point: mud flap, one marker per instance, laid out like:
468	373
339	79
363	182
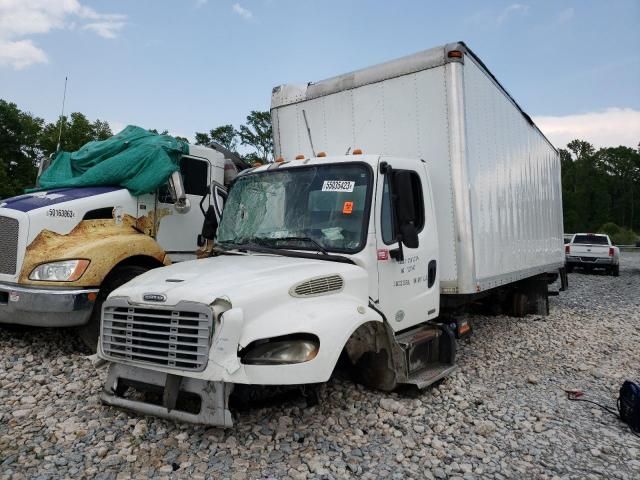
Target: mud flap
214	396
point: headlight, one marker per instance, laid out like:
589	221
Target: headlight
63	271
281	351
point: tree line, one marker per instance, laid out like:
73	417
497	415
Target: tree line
600	188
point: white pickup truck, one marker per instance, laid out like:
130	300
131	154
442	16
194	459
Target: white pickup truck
592	250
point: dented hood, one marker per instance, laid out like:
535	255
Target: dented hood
242	279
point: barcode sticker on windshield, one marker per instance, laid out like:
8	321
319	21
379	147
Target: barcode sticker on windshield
338	186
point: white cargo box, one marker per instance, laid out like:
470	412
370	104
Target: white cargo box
496	178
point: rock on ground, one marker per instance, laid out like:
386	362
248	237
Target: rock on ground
503	414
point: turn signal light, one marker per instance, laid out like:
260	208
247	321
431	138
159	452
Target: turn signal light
567	249
356	151
611	251
299	157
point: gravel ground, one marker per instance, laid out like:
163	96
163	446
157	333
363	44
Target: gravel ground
502	415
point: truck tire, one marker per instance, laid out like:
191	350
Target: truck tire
615	270
90	332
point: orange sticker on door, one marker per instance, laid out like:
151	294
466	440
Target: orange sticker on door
347	208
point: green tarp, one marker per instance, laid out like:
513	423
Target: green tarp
135	158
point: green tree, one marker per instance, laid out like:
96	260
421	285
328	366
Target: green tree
258	134
225	135
600	186
622	166
20	149
77	130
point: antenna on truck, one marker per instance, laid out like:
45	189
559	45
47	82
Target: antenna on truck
64	98
306	122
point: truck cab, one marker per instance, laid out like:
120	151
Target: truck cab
65	249
319	257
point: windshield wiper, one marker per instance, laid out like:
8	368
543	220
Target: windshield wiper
251	245
271	242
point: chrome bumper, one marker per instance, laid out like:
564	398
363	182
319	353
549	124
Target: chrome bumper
45	306
214	396
593	261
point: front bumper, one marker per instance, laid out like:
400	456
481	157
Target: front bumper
214	396
45	306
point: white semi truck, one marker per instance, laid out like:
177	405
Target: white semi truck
62	251
331	252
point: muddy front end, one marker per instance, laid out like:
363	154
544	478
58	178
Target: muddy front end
57	246
152	342
24	301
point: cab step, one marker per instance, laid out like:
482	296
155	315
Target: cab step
431	374
428	353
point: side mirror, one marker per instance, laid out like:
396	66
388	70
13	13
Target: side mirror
405	213
409	235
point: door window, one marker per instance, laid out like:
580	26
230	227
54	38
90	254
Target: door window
194	178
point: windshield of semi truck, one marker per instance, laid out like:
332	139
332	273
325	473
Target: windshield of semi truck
320	208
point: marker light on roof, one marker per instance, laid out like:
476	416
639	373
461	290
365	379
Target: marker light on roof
300	157
356	151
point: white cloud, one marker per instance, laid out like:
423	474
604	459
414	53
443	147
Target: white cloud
201	3
513	9
105	29
116	126
20	54
23	18
243	12
609	128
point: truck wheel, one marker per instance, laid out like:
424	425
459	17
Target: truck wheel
90	332
615	271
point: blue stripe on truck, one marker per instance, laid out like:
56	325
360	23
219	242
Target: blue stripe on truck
32	201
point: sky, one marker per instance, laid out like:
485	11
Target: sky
192	65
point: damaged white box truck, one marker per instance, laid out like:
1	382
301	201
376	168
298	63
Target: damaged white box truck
370	257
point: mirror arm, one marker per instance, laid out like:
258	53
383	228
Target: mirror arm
397	253
182	204
210	192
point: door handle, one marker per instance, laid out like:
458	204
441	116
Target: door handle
431	273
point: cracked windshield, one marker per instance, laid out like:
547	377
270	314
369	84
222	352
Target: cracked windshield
318	208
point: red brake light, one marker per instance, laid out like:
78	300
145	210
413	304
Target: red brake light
567	249
611	251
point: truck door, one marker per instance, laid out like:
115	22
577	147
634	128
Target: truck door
178	232
409	287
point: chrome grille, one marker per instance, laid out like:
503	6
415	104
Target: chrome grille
317	286
8	245
172	337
